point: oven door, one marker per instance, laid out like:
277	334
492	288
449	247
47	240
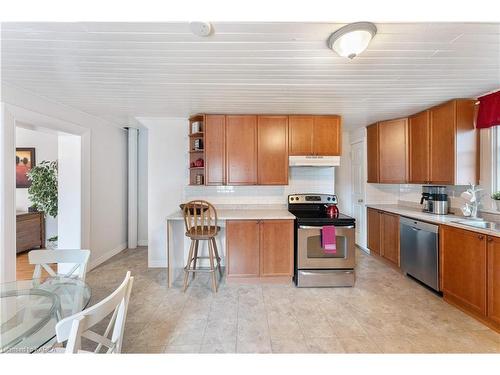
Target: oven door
310	254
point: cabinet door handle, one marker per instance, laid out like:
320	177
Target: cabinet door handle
481	237
490	239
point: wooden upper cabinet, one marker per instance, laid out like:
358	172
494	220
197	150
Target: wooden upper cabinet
242	246
272	150
442	143
453	143
276	248
241	150
373	220
315	135
372	153
419	134
301	129
389	238
463	265
327	136
215	150
494	279
392	151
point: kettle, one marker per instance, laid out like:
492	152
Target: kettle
332	211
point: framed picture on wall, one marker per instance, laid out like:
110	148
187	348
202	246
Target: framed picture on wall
25	160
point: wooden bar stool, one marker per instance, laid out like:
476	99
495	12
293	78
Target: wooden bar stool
200	218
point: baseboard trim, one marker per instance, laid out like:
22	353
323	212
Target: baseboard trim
142	242
104	257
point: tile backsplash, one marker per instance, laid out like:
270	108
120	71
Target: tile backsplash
301	180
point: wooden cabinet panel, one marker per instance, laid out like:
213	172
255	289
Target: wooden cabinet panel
215	150
494	279
241	150
242	246
30	231
373	218
272	150
392	142
442	144
301	130
372	153
327	137
466	143
389	238
276	248
463	265
418	131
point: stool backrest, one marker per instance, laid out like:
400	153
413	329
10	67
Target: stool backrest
200	216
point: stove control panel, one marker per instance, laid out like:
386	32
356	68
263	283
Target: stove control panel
312	199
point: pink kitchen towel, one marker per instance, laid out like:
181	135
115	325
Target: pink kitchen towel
328	239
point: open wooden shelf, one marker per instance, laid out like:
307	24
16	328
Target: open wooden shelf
197	135
194	155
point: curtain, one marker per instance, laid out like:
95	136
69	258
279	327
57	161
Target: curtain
489	111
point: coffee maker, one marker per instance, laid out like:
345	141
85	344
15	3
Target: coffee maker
434	199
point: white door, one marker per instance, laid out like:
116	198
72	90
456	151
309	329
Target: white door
358	191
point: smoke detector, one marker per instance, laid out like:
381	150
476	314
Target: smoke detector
200	28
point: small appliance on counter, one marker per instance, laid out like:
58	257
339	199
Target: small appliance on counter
435	200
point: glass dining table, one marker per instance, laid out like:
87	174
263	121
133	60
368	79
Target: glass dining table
30	309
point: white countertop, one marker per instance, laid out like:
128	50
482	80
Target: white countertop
245	212
431	218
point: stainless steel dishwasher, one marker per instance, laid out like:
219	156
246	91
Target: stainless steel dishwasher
419	246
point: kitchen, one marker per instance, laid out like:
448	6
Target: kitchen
280	192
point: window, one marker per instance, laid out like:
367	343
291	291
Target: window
495	158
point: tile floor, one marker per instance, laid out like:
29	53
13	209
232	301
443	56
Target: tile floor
384	313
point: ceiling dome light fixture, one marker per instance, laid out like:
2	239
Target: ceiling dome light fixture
350	40
201	28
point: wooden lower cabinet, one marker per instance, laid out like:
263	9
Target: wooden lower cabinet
276	248
389	237
242	247
494	279
373	218
463	267
258	248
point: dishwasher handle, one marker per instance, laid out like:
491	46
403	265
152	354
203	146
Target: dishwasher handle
417	225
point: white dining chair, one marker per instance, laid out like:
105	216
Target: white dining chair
73	328
43	258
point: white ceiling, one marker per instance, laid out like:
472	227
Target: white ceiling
123	70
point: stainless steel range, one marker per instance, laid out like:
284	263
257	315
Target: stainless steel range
315	267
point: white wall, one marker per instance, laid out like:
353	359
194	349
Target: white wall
167	176
104	165
142	190
7	195
70	192
45	144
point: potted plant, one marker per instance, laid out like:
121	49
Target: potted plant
496	198
43	191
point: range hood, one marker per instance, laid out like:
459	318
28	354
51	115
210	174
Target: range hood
314	161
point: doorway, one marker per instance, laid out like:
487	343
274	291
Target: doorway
358	209
48	202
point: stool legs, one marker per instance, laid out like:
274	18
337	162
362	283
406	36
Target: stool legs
214	243
196	243
212	269
187	268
